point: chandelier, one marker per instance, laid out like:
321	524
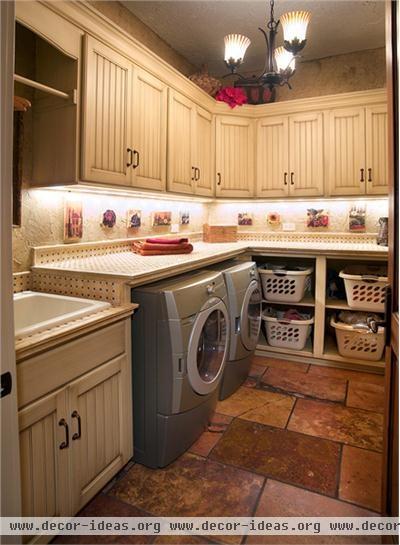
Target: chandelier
280	61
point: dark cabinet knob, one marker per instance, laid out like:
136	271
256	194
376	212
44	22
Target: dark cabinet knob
219	178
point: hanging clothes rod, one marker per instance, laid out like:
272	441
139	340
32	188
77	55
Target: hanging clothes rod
41	87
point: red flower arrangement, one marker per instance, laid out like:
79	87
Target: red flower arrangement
233	96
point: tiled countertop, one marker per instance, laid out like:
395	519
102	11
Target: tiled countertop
136	269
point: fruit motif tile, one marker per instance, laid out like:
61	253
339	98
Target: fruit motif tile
360	477
343	424
283	500
190	486
296	382
364	395
287	456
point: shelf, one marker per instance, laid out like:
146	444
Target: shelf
331	353
340	304
263	345
307	301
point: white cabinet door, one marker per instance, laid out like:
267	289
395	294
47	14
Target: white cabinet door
181	147
306	155
205	153
345	151
44	445
376	150
273	157
107	112
149	131
234	157
99	412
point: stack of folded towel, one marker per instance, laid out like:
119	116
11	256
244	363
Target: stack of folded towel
163	246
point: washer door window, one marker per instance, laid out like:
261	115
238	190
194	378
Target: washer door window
250	318
207	349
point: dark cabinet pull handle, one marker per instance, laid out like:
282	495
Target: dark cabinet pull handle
194	174
362	175
291	178
137	156
370	174
198	174
77	435
130	157
64	444
219	178
285	178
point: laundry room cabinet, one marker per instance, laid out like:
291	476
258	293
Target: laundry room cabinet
290	156
356	150
124	121
190	147
80	433
235	156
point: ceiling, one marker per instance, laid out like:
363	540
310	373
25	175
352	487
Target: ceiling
196	29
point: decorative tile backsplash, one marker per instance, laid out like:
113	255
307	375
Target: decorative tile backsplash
113	217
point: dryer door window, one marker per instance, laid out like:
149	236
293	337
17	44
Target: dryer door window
207	349
251	316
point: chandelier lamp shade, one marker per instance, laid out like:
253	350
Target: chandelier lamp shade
280	61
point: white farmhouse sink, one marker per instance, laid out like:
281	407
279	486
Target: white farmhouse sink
35	312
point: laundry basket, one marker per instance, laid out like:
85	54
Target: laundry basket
354	342
284	285
365	287
283	333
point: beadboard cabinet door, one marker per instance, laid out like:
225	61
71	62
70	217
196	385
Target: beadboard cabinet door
376	150
345	151
273	157
234	157
45	475
150	98
99	412
205	153
306	155
107	115
181	146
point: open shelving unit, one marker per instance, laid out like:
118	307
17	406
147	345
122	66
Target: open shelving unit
321	347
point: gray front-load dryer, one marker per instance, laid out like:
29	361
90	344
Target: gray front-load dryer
180	340
244	307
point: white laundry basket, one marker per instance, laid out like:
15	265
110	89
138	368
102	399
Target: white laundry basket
283	333
365	287
357	343
282	285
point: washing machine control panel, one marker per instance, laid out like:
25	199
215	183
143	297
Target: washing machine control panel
211	288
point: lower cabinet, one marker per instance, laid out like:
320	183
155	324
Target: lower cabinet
75	439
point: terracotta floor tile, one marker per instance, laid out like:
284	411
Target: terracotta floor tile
360	477
364	395
333	421
107	506
243	400
275	411
302	383
281	364
251	382
205	443
190	486
283	500
290	457
219	421
358	376
182	540
256	370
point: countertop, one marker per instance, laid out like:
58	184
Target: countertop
137	269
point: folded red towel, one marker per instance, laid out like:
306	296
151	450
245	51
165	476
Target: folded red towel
144	248
187	250
166	240
164	247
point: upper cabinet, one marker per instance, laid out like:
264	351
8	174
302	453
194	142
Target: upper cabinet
190	147
235	155
356	150
107	115
290	156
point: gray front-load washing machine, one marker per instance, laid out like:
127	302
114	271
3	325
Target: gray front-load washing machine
244	307
180	340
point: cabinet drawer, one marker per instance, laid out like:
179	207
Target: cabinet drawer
44	373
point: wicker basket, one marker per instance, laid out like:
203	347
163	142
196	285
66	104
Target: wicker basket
284	286
292	334
365	287
356	343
